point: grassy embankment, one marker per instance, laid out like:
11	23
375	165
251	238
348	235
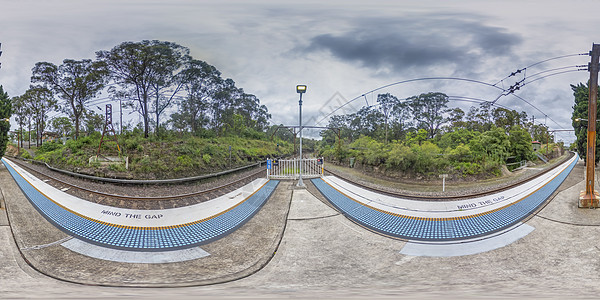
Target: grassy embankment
156	158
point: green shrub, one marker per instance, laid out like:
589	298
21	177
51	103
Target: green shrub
184	161
26	155
117	167
48	146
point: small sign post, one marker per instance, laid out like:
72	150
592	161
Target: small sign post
269	164
443	177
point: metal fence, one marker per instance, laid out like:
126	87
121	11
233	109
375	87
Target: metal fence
290	168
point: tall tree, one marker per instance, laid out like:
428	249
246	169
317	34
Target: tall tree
386	103
480	118
5	113
146	68
520	143
580	111
170	78
428	110
40	102
456	119
21	111
93	122
62	125
201	82
401	119
75	82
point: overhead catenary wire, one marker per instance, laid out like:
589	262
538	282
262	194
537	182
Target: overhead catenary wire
437	78
402	82
537	63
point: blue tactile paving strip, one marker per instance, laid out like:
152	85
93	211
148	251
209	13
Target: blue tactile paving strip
440	229
145	238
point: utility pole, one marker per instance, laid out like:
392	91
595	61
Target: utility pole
589	197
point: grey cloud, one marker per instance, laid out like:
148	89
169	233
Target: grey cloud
413	42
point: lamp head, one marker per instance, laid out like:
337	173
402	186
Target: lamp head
301	89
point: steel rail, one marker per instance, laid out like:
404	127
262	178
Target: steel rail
453	197
124	197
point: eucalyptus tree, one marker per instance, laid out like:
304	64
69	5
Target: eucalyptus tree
171	78
148	69
5	113
94	122
62	125
22	115
254	114
428	111
580	111
367	121
221	102
401	119
386	104
76	82
506	119
456	119
40	102
201	82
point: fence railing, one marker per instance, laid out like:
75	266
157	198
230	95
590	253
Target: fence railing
290	168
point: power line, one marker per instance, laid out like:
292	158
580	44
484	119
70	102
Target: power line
553	74
408	81
537	63
441	78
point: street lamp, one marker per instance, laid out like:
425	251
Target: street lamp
584	120
300	89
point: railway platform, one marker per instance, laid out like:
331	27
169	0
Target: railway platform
299	247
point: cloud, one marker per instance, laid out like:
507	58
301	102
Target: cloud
426	41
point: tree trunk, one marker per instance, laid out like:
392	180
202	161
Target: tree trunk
29	132
157	113
146	118
76	127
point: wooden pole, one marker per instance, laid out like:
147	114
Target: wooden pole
589	198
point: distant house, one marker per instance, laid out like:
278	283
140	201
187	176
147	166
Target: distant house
536	145
48	136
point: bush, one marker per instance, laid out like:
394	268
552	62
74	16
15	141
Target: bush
48	147
26	155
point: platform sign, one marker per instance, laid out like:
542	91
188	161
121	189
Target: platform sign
269	164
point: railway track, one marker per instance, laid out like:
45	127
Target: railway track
99	192
208	192
447	197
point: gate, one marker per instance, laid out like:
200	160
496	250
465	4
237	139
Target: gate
290	168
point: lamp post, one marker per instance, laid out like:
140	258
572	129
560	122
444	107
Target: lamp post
300	89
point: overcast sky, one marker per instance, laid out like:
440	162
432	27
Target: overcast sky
340	49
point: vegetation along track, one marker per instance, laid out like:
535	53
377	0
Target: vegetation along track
437	197
144	196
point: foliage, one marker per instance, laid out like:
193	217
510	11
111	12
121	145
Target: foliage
76	82
5	113
62	126
462	152
428	111
167	156
520	143
580	111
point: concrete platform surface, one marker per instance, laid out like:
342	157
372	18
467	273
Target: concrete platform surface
441	208
321	254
